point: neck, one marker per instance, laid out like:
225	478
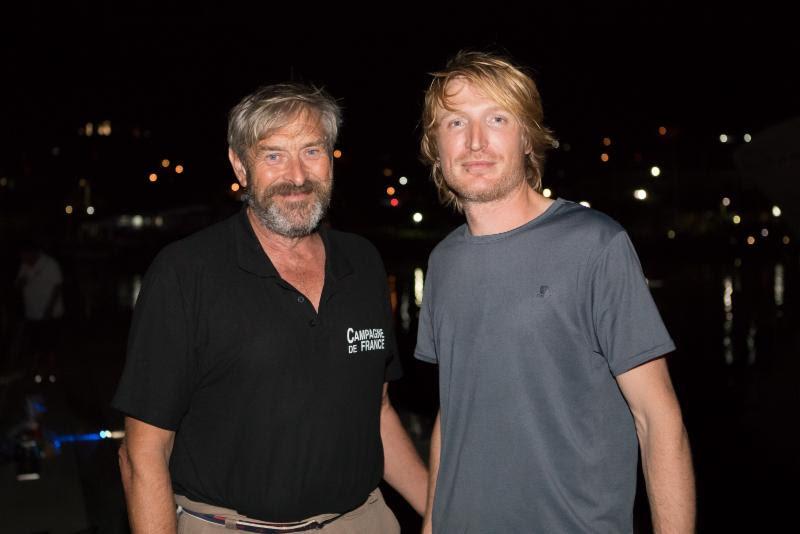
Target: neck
520	206
275	243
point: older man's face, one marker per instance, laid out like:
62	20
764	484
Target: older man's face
289	177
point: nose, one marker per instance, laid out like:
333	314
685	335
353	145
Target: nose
296	173
477	137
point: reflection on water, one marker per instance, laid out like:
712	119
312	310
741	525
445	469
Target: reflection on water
740	332
751	343
727	325
419	281
405	316
392	282
137	287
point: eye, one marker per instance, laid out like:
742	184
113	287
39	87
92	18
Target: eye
273	157
313	152
498	119
455	123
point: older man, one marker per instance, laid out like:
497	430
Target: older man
249	401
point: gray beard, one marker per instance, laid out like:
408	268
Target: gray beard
290	220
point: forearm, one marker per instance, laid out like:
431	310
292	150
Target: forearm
433	474
403	468
667	466
148	492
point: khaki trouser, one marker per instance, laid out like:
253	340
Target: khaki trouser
372	517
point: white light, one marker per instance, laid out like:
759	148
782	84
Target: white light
655	171
136	289
748	138
547	193
90	210
727	294
764	232
137	221
585	204
671	234
723	138
776	211
403	180
640	194
116	434
736	219
417	217
37	379
726	201
419	284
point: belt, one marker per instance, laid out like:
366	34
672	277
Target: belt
247	525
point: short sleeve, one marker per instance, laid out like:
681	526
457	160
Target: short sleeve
627	326
160	371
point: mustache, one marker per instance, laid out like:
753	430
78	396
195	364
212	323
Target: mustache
289	189
485	157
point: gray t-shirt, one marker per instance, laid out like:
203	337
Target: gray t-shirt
530	327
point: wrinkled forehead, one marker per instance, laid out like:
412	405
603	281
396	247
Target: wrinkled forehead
301	122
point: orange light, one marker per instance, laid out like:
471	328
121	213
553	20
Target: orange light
387	172
390	190
153	177
662	130
394	202
604	157
165	163
234	187
337	153
178	169
606	141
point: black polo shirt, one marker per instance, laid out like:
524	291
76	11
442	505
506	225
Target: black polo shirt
276	407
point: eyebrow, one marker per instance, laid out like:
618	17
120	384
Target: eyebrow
494	109
260	149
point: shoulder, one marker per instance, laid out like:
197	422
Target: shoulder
207	246
449	245
353	246
585	224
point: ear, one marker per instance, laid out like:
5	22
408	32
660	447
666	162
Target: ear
239	168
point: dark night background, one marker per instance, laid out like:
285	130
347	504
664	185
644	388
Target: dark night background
93	98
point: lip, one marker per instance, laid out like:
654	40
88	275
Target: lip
480	164
294	196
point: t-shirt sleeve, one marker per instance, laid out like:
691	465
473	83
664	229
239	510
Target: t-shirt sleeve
160	373
426	348
628	328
